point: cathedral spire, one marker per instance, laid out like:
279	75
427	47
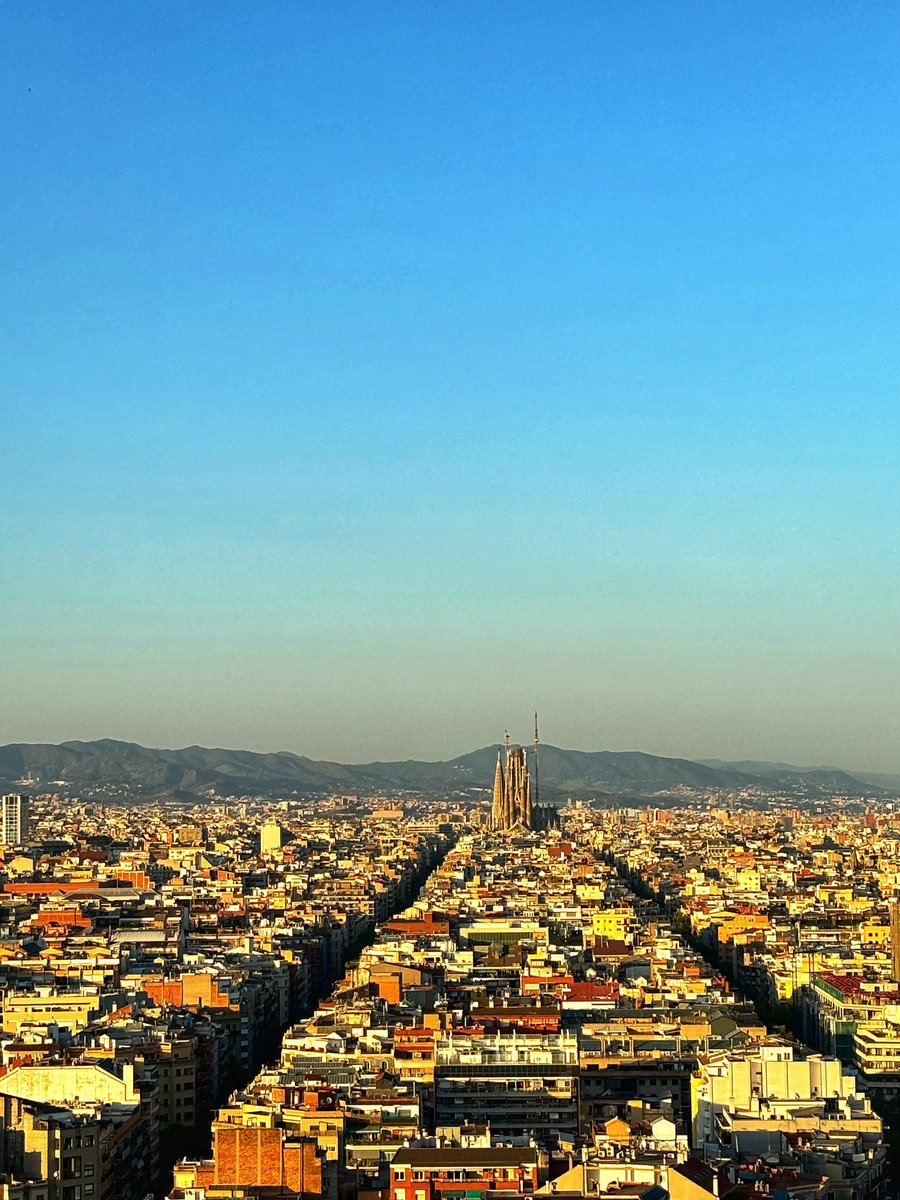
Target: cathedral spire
512	802
497	805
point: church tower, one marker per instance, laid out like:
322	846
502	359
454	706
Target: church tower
512	803
497	806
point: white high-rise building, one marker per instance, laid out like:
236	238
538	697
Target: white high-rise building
14	815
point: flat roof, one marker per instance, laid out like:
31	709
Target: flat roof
468	1156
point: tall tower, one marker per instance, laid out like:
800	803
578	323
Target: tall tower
511	807
497	805
537	762
14	820
895	941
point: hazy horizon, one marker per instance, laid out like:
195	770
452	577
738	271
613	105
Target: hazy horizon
371	367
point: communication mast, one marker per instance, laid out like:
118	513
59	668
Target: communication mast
537	762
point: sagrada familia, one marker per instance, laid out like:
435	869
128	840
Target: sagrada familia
514	807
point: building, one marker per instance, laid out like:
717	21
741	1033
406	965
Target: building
469	1172
259	1155
76	1132
269	837
69	1011
15	819
832	1007
803	1112
511	808
515	1082
876	1052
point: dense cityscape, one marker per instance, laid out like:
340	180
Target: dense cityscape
373	372
409	997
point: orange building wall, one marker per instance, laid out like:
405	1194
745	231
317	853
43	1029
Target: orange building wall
251	1157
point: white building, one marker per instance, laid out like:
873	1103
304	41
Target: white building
15	820
744	1102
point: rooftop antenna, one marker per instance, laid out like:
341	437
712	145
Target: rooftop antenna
537	760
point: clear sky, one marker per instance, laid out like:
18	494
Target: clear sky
372	373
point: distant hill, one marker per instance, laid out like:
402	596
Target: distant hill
571	771
112	766
890	783
194	769
826	778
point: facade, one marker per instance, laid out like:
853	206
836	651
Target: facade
517	1083
463	1173
69	1011
14	816
269	837
876	1052
834	1005
511	807
806	1113
76	1133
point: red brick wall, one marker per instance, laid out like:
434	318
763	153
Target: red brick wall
303	1168
248	1156
261	1158
137	879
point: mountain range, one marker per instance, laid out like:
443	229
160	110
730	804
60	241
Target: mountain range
112	767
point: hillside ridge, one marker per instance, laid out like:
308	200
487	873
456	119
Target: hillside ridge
110	766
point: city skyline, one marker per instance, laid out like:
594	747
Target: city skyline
373	372
338	995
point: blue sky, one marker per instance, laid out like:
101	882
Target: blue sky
373	373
